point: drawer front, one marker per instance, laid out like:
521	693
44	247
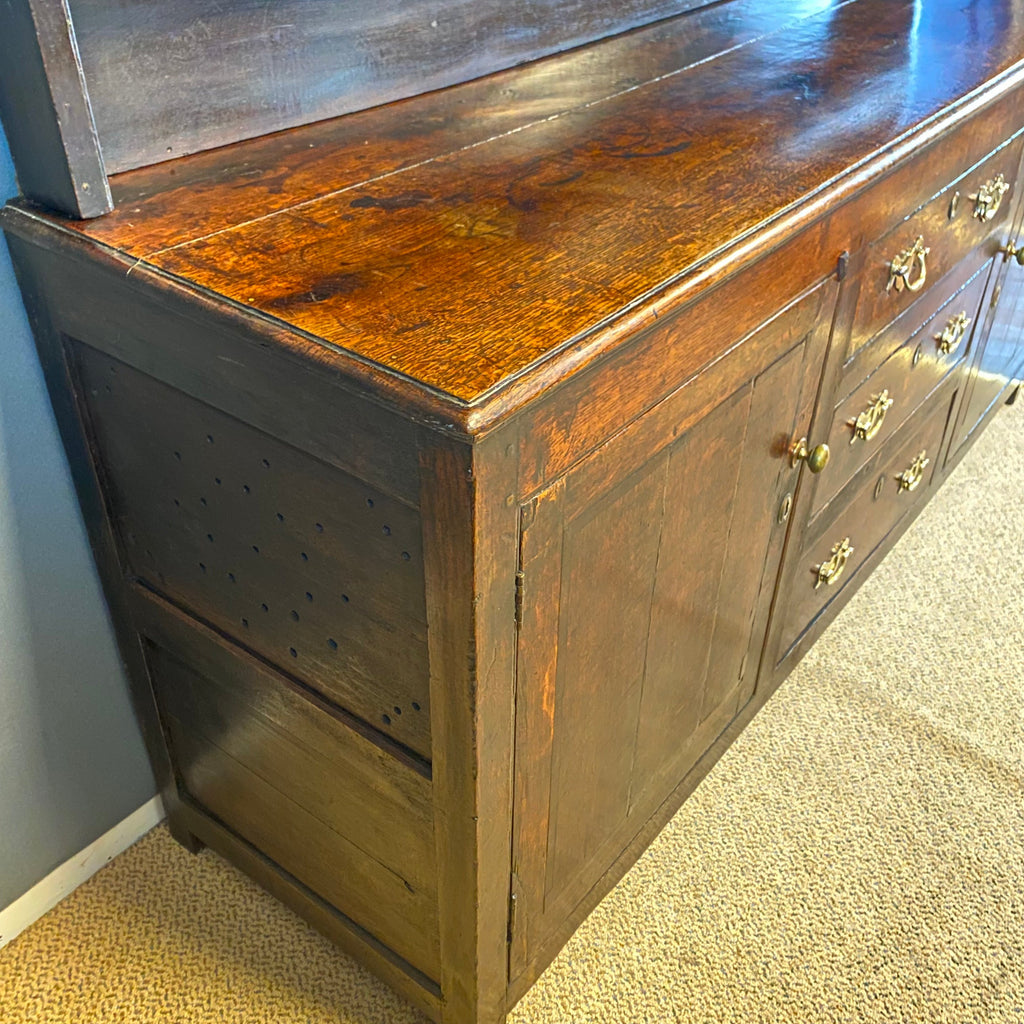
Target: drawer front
297	780
838	544
875	410
949	226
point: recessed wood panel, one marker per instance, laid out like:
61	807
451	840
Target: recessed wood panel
647	572
311	568
318	799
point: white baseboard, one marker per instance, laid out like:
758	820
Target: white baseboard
62	881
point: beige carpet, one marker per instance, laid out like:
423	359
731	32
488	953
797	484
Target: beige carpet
858	855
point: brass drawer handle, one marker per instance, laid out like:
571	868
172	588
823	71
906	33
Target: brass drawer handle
816	457
830	571
902	266
870	421
911	477
953	333
989	196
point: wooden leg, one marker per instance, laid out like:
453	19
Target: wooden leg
470	549
176	825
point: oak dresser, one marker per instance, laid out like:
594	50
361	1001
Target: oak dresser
464	472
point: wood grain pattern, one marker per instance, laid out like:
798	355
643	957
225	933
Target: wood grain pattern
548	337
469	529
626	680
528	214
46	110
543	220
170	79
309	567
161	205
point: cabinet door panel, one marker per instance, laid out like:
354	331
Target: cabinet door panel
647	572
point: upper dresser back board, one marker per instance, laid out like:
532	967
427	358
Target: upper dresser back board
89	88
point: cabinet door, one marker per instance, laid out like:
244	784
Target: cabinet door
999	357
999	342
646	574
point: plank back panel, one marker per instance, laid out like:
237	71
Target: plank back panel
170	79
352	823
314	570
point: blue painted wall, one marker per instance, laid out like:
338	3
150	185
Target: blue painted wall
72	762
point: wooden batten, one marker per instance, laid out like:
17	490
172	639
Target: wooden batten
46	112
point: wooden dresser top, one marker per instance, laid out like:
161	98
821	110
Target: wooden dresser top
488	239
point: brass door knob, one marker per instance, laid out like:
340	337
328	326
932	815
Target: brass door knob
1014	253
816	457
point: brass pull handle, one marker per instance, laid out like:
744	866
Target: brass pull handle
953	333
902	266
870	421
830	571
911	477
989	196
816	457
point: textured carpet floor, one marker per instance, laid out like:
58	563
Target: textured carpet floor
857	855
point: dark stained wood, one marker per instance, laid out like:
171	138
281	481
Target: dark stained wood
527	240
998	363
469	529
908	375
307	566
561	328
537	218
949	240
384	794
412	984
1001	364
170	79
47	116
866	520
159	205
399	917
871	355
257	372
576	418
641	650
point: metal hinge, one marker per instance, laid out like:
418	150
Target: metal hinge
520	584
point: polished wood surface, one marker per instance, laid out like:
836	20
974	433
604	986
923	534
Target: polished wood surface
907	375
523	364
573	219
868	518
